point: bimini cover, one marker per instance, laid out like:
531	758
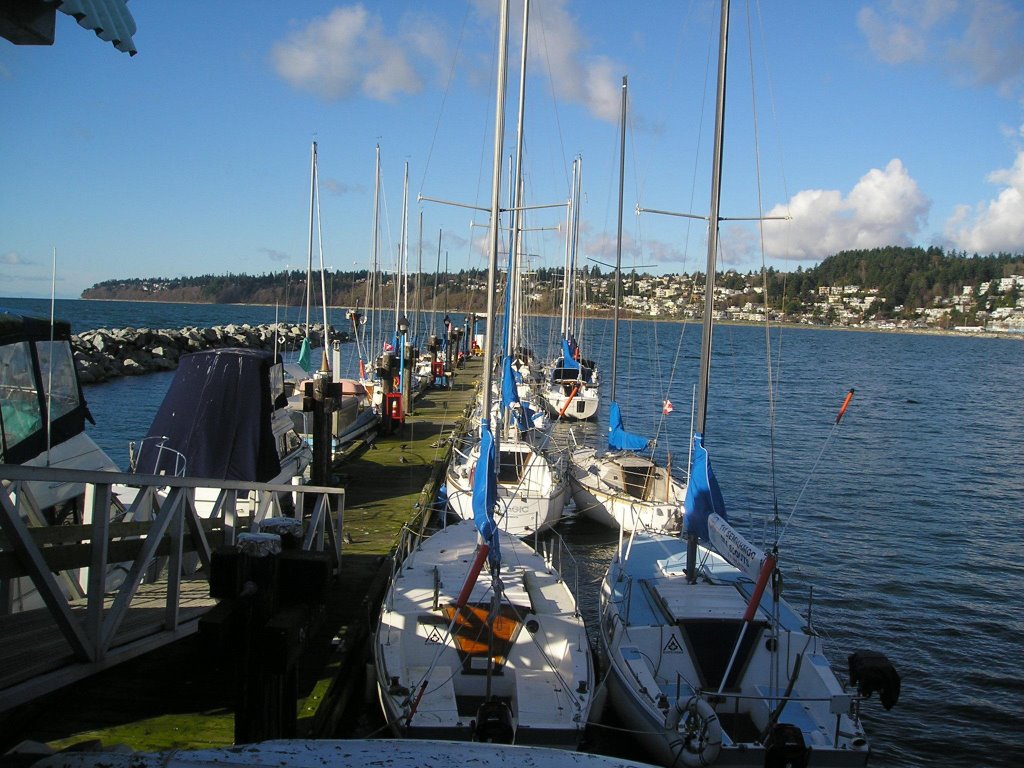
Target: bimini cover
217	414
35	375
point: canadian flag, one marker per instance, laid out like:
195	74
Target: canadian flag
666	407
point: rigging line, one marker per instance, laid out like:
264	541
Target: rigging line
772	384
444	97
551	82
807	481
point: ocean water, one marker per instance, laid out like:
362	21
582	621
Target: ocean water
905	519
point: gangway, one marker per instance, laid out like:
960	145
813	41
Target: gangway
161	542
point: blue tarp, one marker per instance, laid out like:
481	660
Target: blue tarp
618	438
485	491
703	496
568	360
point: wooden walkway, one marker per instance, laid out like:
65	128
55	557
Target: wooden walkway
179	696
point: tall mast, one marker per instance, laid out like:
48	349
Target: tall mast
492	266
716	188
709	278
517	197
371	279
309	256
618	236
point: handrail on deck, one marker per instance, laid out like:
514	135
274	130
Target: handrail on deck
162	510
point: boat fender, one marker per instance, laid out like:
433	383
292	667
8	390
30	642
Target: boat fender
785	747
699	731
494	723
871	671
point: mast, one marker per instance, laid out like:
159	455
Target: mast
492	266
309	255
513	241
709	278
716	189
371	279
618	237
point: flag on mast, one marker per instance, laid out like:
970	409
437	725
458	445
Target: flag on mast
666	407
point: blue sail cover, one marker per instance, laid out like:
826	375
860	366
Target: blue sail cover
485	491
510	394
703	496
618	438
568	360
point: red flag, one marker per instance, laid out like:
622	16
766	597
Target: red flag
666	407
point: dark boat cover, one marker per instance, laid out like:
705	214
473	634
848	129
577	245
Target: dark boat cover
218	414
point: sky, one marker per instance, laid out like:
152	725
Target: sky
863	123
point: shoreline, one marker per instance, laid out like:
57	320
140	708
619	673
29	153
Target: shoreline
979	334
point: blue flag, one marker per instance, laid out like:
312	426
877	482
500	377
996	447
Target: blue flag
618	438
703	496
485	491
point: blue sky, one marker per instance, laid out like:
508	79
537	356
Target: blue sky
877	122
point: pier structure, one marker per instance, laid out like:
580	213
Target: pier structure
135	667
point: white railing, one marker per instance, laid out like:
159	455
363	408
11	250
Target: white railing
161	516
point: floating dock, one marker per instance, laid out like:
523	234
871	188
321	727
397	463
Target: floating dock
182	696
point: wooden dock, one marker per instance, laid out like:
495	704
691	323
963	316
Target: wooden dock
181	696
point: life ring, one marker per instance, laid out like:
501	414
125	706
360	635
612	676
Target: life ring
699	732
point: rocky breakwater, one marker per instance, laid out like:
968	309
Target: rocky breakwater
104	354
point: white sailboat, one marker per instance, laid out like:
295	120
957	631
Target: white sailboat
621	487
355	415
570	387
503	657
532	484
704	664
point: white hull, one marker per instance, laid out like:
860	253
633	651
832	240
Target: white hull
431	670
673	640
531	492
561	404
343	753
626	491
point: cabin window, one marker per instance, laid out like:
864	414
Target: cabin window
635	480
57	368
512	464
19	398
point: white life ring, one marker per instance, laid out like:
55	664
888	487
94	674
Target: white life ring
698	731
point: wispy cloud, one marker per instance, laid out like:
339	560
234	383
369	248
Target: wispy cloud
350	52
885	207
274	254
559	47
14	259
997	224
979	44
340	188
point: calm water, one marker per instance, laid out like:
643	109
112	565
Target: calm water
908	527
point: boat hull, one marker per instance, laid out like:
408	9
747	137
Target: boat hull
431	661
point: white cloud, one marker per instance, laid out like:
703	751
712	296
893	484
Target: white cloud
996	225
885	207
346	52
13	258
557	46
979	43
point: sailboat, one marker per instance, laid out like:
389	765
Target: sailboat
621	487
531	484
458	655
355	415
570	389
704	664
